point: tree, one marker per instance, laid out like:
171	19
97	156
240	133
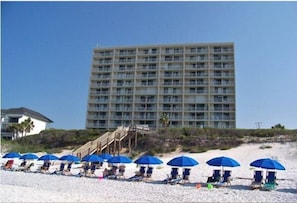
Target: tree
278	126
27	126
164	120
24	127
16	129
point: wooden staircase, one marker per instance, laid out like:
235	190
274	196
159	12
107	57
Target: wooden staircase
103	142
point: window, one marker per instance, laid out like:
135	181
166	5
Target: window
217	57
168	58
192	82
217	49
150	82
192	58
13	119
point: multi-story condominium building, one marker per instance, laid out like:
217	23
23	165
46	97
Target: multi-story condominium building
194	84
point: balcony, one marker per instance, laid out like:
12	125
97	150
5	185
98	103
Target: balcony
96	117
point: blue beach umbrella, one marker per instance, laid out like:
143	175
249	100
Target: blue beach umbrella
92	158
148	160
267	164
119	159
223	161
105	156
48	157
182	161
29	156
70	158
12	155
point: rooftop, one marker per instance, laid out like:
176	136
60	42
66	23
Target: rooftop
27	112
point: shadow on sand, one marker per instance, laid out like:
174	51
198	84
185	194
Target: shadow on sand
294	191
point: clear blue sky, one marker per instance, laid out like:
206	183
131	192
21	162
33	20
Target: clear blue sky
46	51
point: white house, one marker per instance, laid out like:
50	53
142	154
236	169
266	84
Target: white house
18	115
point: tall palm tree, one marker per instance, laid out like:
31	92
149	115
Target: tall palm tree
164	119
16	129
27	126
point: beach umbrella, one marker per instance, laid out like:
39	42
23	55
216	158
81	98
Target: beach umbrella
105	156
28	156
182	161
92	158
148	160
48	157
119	159
223	161
12	155
267	164
70	158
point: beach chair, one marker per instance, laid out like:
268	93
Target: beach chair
121	173
24	166
19	166
174	177
93	168
112	173
86	169
46	165
270	181
69	166
28	167
61	169
186	175
226	179
257	181
139	175
91	171
149	173
8	165
216	177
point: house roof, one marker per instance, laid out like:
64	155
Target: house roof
27	112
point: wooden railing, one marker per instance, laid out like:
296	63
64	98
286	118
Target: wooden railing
102	142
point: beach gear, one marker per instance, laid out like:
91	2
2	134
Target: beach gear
198	185
148	160
186	175
216	176
174	177
29	156
11	155
270	183
70	158
48	157
92	158
267	163
182	161
209	186
223	161
105	156
119	159
258	180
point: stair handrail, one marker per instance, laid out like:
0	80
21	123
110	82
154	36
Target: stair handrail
106	139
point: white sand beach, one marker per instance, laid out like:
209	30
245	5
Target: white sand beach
38	187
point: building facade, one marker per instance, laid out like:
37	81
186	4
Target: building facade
194	84
17	116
